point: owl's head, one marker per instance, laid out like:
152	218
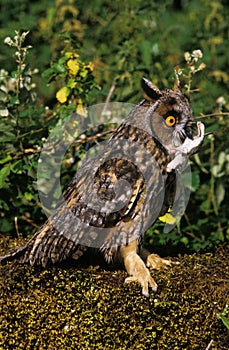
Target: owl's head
170	113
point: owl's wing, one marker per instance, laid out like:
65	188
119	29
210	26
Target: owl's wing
93	212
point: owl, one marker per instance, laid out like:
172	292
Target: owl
116	196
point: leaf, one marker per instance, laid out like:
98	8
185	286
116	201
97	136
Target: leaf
184	240
225	321
15	101
8	137
84	73
4	173
6	159
71	83
28	196
47	73
220	193
17	167
58	67
6	225
168	219
4	205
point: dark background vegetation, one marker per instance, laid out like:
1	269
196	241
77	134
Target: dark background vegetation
124	40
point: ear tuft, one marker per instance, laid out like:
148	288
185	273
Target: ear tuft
150	91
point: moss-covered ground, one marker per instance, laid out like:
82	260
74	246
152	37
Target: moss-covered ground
78	306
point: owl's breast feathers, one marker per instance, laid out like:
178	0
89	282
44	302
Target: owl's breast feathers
74	226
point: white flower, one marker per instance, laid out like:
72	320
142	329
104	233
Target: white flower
187	56
202	66
221	101
197	54
3	74
24	34
8	41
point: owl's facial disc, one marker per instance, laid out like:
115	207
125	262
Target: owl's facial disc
177	115
172	115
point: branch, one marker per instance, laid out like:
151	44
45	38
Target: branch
202	116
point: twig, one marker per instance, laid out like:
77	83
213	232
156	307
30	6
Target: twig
211	115
209	345
31	222
108	98
16	226
94	137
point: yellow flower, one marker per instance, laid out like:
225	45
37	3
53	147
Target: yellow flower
73	66
62	94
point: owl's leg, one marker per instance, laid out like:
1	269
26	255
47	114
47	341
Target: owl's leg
136	268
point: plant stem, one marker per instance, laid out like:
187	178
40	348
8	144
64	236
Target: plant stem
212	180
209	345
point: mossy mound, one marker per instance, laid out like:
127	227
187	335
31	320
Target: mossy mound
78	307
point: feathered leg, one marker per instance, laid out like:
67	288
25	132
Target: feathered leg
136	268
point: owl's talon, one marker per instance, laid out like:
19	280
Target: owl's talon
145	281
155	262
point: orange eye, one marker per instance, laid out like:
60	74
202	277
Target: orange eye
170	120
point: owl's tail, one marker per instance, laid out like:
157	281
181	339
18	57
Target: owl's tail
46	246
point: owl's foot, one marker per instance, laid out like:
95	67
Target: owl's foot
137	269
139	273
155	262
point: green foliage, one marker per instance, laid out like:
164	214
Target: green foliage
123	40
22	126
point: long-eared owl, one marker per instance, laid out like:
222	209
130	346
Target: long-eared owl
115	196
